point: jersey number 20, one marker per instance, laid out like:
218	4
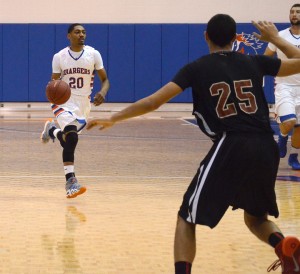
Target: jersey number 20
76	82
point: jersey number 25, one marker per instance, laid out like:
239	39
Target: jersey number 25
247	99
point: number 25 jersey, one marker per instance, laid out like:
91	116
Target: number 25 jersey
227	91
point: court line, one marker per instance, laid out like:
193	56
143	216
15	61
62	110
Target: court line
112	136
96	176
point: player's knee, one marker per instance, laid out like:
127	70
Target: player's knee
296	137
71	140
287	126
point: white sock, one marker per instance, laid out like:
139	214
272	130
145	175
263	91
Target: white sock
294	150
69	169
56	131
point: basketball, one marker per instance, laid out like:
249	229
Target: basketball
58	92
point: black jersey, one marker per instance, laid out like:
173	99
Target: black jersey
227	91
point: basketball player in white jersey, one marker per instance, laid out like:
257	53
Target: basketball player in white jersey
76	65
287	94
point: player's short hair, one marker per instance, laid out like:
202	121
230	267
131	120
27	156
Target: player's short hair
72	26
221	29
296	6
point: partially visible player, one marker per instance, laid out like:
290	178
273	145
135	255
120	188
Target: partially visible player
241	167
269	33
287	94
76	65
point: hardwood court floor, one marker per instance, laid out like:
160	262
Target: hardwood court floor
136	174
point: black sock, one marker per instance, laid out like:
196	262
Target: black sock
51	130
275	238
183	268
69	175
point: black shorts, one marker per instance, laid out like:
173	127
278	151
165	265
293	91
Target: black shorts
240	171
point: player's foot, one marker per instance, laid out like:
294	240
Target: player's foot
293	161
73	188
288	251
45	137
282	141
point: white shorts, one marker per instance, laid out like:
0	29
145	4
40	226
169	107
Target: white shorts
287	102
74	112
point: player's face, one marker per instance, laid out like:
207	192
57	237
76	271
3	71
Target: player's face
295	16
77	36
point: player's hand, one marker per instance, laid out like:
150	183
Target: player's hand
98	99
102	123
268	31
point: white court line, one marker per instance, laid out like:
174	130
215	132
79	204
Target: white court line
111	136
95	176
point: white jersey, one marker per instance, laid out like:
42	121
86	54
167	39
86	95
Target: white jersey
294	40
78	68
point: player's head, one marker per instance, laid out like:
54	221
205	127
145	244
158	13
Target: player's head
76	34
295	15
72	27
221	30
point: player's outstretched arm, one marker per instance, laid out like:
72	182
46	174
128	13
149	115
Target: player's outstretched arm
143	106
101	123
269	33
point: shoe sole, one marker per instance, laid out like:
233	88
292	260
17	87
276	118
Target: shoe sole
290	245
81	191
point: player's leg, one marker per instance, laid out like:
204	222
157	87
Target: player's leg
286	248
285	110
287	123
196	209
69	140
184	246
263	228
295	146
295	139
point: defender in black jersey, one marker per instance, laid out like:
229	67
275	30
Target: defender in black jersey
241	166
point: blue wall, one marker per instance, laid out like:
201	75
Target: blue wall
139	58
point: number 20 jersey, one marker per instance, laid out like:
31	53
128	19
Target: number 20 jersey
78	68
227	91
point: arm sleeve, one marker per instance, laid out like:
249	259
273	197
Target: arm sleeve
269	65
183	78
98	60
56	64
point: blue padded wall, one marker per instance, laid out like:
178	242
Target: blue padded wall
175	38
121	63
15	61
139	58
40	53
197	44
1	64
61	41
147	59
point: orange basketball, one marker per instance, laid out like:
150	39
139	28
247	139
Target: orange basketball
58	92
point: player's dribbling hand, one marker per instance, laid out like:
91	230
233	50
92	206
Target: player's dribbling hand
98	99
268	31
102	123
